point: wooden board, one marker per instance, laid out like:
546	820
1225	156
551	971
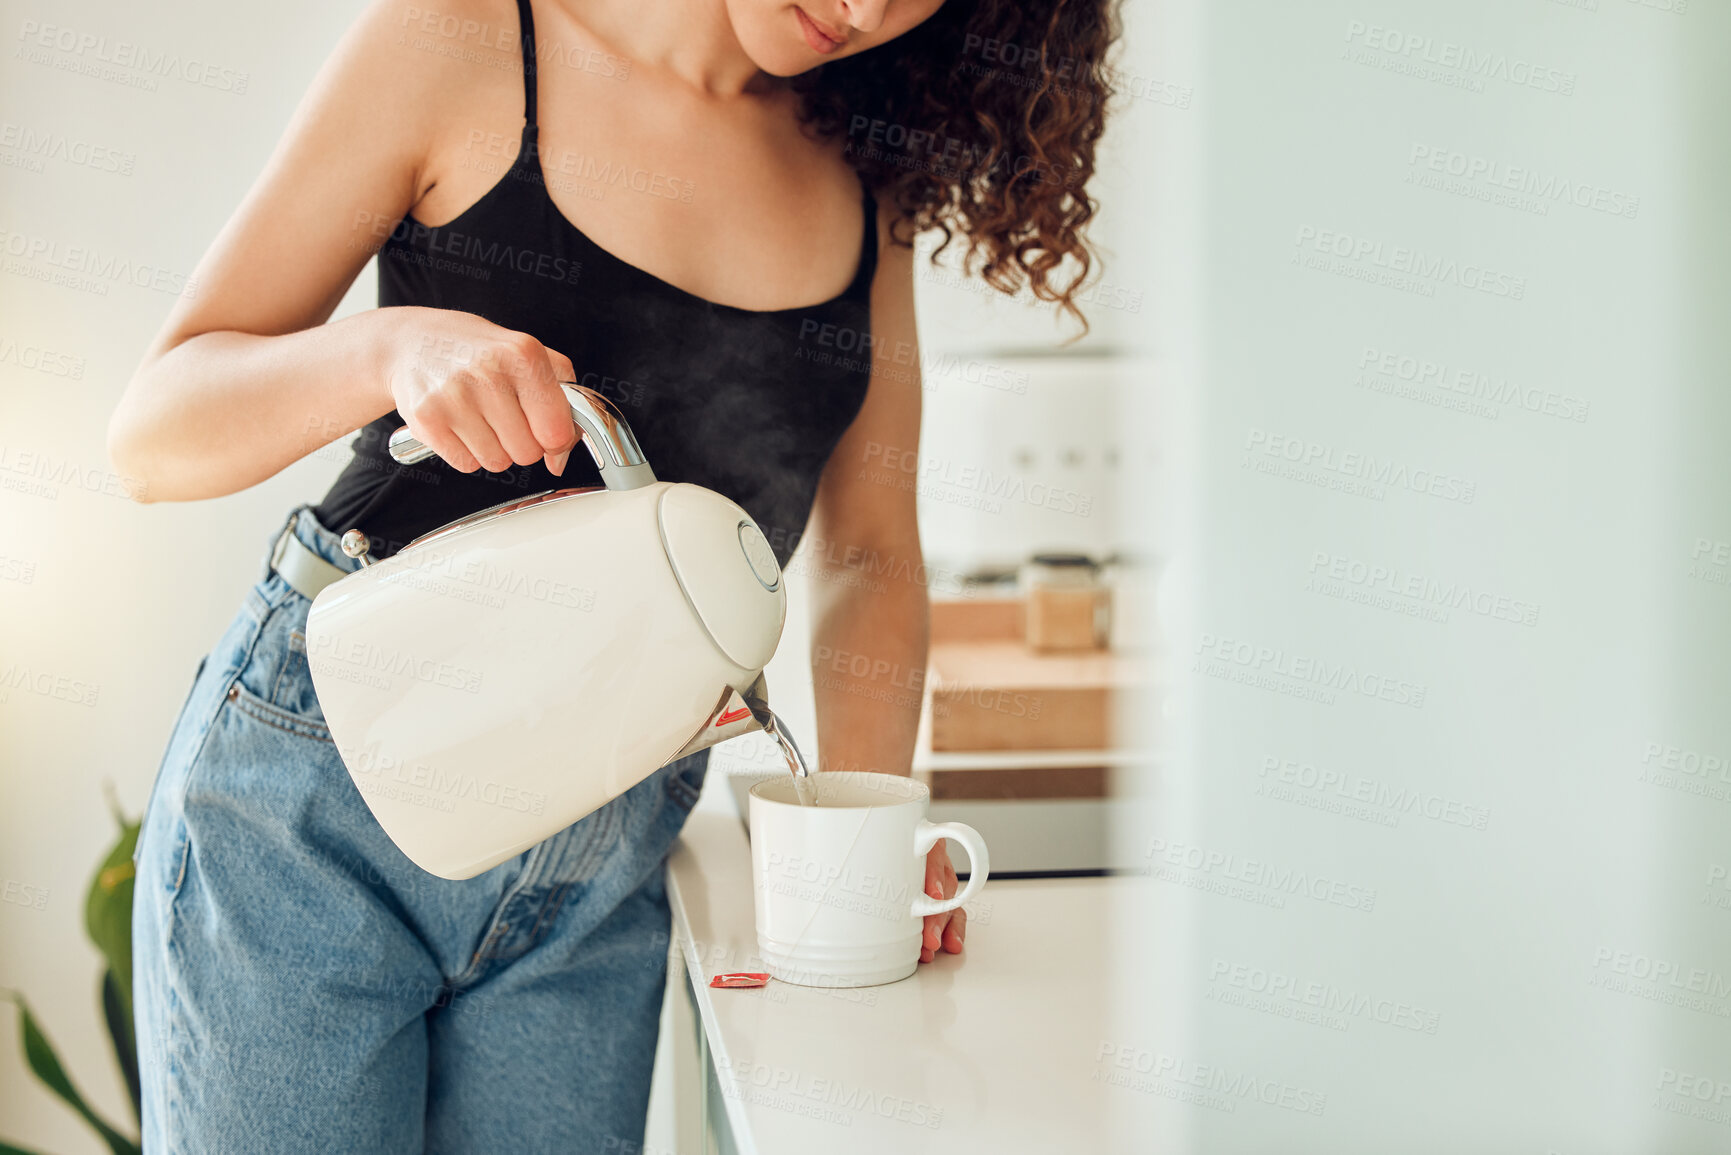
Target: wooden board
1019	783
977	619
999	695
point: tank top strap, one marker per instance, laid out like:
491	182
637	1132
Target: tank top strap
526	40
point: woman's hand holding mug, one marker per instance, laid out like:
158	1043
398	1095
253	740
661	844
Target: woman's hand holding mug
943	931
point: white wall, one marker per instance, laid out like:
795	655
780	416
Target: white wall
124	598
1515	936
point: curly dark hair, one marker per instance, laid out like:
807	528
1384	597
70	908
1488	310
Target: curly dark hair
981	122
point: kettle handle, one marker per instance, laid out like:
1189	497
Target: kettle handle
608	438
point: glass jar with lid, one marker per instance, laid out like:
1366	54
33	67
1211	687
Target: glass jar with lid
1066	606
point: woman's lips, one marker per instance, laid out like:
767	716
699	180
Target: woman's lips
818	40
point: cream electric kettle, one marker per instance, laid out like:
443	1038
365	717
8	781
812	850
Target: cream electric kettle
502	676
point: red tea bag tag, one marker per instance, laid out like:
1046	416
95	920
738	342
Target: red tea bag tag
742	979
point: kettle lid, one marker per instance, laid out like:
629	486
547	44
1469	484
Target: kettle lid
727	570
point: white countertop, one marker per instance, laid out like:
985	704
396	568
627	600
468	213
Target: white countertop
993	1050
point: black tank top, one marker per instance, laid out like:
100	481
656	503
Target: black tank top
748	403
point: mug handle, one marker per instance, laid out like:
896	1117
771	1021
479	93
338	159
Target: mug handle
926	836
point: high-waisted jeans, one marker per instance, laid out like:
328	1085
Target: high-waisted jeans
301	986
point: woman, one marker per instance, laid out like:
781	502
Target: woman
643	199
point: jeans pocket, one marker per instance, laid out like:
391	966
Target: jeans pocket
261	709
293	688
179	850
275	684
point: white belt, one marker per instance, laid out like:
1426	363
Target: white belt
304	570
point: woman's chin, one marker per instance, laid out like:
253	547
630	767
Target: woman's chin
777	45
783	59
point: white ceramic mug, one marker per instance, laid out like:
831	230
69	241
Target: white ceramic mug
840	886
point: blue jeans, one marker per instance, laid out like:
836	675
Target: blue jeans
301	986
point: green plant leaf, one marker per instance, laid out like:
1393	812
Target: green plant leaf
45	1064
8	1149
108	909
108	922
119	1019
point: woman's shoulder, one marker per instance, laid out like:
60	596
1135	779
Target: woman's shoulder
431	66
471	32
439	57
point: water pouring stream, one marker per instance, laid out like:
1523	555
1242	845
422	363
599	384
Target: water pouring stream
803	787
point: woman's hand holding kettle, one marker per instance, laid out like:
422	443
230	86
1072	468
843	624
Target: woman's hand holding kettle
480	395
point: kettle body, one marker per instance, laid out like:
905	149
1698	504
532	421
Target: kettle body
501	677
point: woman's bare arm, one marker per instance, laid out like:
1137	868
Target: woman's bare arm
871	618
246	376
868	596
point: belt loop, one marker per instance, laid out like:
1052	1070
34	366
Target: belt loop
278	546
299	564
271	556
